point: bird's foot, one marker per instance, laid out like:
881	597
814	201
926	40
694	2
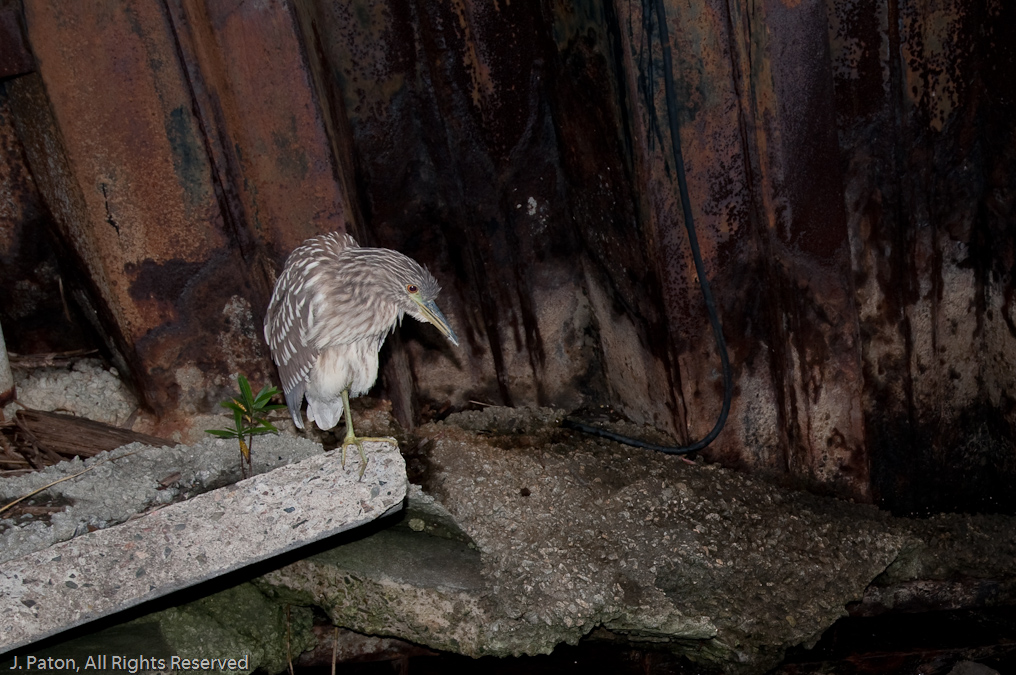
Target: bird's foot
358	441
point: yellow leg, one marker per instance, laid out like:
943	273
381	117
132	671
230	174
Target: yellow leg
352	439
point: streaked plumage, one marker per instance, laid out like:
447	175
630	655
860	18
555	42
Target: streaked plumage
332	308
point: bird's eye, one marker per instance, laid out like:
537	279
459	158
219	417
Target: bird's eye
412	288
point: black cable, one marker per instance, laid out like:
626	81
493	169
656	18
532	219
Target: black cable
682	183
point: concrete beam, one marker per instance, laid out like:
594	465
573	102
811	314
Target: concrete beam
102	572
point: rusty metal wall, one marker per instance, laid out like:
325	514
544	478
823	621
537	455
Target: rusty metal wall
762	158
926	113
851	174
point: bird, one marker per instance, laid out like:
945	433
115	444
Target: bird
331	310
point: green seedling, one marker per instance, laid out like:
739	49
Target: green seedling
248	420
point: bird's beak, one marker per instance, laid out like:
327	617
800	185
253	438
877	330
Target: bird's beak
433	315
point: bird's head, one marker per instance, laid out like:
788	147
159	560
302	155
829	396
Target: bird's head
414	291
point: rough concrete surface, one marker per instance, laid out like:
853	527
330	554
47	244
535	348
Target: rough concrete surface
576	533
100	572
125	482
420	579
522	536
538	536
86	388
238	621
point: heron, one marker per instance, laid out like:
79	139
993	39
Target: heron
331	310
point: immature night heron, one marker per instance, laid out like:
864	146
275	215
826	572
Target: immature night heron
332	308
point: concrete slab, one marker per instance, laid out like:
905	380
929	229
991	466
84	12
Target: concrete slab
102	572
574	534
114	487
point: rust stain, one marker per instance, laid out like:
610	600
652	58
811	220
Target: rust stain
369	46
923	281
758	151
262	104
930	49
849	165
130	180
472	60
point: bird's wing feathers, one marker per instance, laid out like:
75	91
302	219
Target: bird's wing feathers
287	313
334	308
291	329
345	307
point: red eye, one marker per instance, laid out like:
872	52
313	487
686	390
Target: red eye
412	288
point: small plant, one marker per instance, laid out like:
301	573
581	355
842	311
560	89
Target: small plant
248	420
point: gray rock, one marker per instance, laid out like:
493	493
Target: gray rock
108	570
125	482
592	534
525	536
86	388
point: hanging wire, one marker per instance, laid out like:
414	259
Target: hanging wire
670	91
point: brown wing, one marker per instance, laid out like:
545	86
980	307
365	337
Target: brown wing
290	319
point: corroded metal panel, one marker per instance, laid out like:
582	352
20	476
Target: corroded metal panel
850	165
196	158
760	148
457	164
120	157
638	348
925	106
266	132
806	253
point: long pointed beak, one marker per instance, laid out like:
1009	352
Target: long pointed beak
434	315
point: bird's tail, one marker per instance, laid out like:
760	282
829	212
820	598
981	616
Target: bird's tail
294	401
325	413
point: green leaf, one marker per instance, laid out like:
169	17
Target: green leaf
248	412
264	396
274	406
245	392
234	406
268	426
